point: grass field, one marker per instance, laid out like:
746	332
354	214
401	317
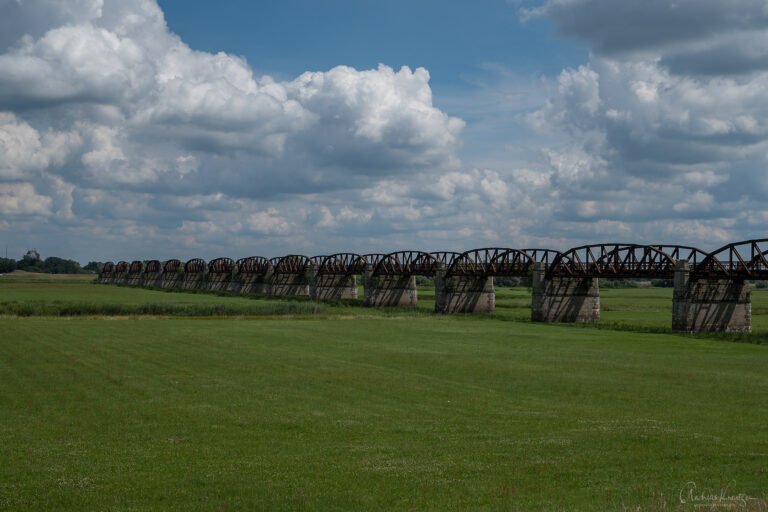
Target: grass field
248	406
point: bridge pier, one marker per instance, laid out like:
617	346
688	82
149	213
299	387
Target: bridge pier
193	281
218	282
710	304
289	285
152	280
120	276
390	291
332	286
563	298
170	280
252	284
134	279
464	294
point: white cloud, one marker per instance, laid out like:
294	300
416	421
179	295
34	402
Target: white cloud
21	199
269	222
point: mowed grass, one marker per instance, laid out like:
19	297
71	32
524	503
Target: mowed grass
347	411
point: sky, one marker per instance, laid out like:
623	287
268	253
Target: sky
138	129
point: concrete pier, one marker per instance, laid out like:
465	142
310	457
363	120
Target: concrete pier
710	304
563	299
332	286
464	294
389	291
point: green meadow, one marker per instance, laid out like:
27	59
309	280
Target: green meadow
123	399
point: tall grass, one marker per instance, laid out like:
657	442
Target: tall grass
73	309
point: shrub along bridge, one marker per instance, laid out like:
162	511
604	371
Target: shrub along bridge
711	290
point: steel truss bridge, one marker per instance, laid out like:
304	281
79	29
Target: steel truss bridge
744	260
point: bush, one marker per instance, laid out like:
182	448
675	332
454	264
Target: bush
7	265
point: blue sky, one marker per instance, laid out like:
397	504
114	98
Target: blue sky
134	129
453	40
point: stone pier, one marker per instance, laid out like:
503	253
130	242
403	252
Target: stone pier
135	276
563	299
291	285
251	284
218	282
389	291
710	304
152	279
464	294
193	281
170	280
332	286
121	274
106	277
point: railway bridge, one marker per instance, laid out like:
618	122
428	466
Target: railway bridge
711	289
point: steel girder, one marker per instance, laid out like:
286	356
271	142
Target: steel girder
153	267
491	261
221	266
623	261
253	265
294	264
406	263
341	264
195	266
171	266
738	260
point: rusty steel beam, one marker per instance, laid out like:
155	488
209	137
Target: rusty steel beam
153	267
291	264
221	266
253	265
406	263
171	266
342	264
489	262
195	266
738	260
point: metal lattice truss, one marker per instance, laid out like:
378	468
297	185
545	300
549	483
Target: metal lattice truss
739	261
492	261
341	264
406	263
253	265
294	264
195	266
153	267
171	266
221	266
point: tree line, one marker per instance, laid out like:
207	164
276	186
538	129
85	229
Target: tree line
50	265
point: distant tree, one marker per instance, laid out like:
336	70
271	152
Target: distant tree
55	265
93	266
29	265
7	265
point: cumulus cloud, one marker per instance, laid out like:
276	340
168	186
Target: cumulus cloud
666	122
107	118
